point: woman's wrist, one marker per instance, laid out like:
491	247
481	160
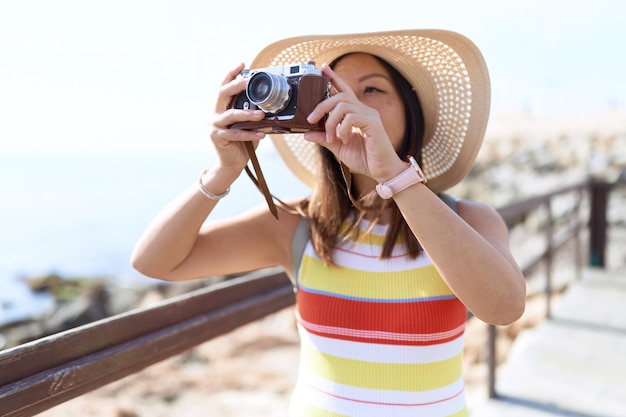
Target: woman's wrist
214	183
392	171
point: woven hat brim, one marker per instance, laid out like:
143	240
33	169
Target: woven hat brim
448	73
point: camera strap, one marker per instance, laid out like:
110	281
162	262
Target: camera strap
259	181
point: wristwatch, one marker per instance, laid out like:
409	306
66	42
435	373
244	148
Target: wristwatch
412	175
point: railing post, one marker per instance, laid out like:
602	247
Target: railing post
599	193
577	243
549	258
492	361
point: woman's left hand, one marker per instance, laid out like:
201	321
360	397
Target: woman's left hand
354	132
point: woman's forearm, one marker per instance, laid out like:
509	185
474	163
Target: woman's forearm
474	263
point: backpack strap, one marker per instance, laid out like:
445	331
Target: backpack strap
298	243
450	200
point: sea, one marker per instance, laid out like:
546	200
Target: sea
79	215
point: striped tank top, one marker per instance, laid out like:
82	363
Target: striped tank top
378	337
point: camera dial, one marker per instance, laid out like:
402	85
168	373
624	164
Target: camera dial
270	92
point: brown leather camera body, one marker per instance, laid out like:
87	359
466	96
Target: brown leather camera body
308	92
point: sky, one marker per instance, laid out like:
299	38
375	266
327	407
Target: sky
142	75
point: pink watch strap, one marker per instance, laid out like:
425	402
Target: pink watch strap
412	175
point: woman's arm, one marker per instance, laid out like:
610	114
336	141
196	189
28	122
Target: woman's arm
471	252
179	243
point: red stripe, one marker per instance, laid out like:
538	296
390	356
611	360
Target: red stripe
413	318
443	400
380	337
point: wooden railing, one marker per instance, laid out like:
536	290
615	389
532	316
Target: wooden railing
560	228
41	374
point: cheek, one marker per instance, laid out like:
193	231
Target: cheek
394	122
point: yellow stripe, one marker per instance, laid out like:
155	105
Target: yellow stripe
462	413
414	283
309	410
384	376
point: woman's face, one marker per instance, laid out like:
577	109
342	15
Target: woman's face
373	86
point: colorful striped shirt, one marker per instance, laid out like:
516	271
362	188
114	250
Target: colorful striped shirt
378	337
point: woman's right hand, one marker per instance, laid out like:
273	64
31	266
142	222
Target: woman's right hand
180	244
228	143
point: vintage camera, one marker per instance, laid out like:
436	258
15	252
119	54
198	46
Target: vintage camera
287	94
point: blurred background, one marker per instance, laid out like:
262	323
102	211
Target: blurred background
104	108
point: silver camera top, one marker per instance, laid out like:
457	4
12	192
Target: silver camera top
292	70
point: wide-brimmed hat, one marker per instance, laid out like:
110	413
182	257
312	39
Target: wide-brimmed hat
446	70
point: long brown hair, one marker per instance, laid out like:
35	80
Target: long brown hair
331	202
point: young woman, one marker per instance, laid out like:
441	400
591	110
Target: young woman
392	264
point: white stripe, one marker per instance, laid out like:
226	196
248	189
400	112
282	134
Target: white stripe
352	401
349	259
375	334
365	258
381	353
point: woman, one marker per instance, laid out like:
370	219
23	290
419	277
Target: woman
391	266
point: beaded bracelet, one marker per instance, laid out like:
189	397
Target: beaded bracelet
209	194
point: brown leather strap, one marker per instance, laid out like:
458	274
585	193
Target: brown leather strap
259	181
347	177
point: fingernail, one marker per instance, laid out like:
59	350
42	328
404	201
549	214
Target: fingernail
258	112
312	117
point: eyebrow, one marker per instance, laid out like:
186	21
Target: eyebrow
368	76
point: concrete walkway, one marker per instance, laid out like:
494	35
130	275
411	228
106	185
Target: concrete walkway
573	364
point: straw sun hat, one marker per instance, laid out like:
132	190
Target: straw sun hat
446	70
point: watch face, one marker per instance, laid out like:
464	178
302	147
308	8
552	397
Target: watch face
418	169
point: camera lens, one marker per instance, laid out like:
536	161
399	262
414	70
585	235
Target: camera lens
268	91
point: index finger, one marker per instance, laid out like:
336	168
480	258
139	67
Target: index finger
340	85
230	87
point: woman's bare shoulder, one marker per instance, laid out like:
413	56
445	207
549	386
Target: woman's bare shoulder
475	207
481	216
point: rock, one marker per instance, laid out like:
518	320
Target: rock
78	301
